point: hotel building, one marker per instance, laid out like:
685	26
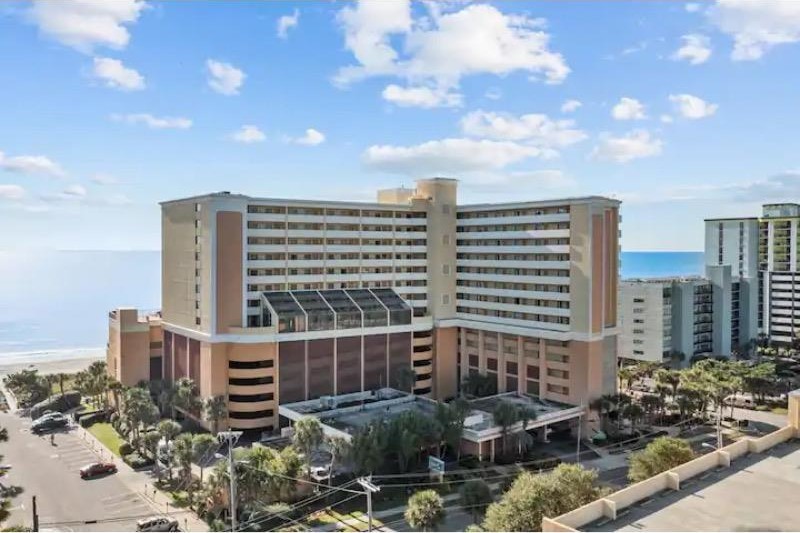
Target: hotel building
674	319
269	301
765	253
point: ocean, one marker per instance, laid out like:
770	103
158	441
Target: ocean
54	305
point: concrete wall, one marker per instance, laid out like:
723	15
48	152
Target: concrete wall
440	195
617	501
178	264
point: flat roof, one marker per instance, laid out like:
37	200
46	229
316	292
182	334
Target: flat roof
759	492
347	413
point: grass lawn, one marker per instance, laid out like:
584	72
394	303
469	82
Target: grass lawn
106	434
355	521
780	410
68	384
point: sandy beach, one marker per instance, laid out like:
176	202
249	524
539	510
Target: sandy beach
47	365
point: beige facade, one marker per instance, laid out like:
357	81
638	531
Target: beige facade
134	345
537	278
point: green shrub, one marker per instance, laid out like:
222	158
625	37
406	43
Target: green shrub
135	461
125	449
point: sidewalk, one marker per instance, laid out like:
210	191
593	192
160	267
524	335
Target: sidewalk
141	482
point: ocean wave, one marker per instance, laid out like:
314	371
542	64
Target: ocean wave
40	356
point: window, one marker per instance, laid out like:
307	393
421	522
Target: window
446	239
445	299
250	415
511	368
473	361
557	389
245	398
198	207
491	364
446	270
251	381
532	371
251	364
446	209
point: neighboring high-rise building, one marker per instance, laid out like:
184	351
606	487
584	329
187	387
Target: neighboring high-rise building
675	319
269	301
765	253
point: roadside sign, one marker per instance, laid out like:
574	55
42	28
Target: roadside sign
435	465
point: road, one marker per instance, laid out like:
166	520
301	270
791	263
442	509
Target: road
65	501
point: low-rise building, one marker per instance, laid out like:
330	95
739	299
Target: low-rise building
677	318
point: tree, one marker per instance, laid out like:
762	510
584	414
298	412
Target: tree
479	385
425	510
625	375
659	456
405	379
138	410
216	408
714	380
185	396
669	378
203	447
505	415
534	496
183	452
169	429
116	388
368	446
308	436
475	497
149	442
340	451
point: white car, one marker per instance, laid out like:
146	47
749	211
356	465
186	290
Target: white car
157	523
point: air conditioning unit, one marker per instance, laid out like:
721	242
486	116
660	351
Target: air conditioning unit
327	402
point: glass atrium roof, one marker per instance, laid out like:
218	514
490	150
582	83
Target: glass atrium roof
299	311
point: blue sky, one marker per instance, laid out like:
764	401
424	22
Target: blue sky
681	110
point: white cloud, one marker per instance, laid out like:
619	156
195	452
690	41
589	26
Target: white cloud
248	134
634	145
570	106
31	164
534	129
692	7
442	48
447	156
628	109
695	49
666	119
74	192
85	24
116	75
367	28
224	78
424	97
757	26
287	22
493	93
153	122
11	192
104	179
312	137
692	107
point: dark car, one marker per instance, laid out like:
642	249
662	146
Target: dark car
48	422
97	469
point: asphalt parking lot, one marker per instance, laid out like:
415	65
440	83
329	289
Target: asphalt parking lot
65	501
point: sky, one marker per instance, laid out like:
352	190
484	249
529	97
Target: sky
683	111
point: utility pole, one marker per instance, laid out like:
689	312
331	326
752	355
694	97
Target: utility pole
230	437
578	451
35	526
369	488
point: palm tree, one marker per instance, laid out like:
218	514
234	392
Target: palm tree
307	438
183	452
203	446
505	415
625	375
669	378
405	379
186	398
340	451
116	388
216	408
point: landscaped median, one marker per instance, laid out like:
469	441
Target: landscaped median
108	436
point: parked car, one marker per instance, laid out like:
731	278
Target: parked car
157	523
49	421
97	469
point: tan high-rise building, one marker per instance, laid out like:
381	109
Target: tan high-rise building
269	301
